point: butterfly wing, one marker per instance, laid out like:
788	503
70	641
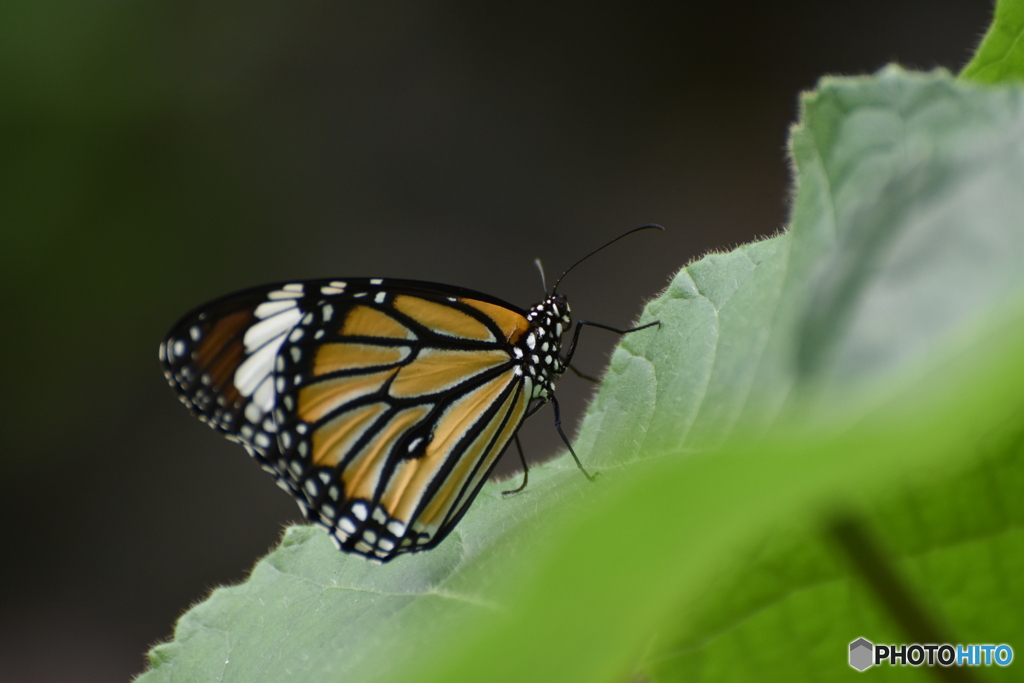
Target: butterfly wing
381	405
219	359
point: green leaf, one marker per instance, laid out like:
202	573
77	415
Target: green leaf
864	363
1000	57
902	307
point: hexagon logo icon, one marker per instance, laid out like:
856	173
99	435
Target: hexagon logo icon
861	654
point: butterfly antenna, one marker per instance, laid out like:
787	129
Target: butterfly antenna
649	226
543	282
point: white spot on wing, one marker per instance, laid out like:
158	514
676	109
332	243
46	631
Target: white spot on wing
256	368
269	328
264	395
282	294
269	308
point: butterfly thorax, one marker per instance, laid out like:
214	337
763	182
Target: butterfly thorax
539	348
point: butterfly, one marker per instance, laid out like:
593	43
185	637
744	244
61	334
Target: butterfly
381	405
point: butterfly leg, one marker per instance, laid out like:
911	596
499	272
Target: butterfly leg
526	471
558	426
579	374
581	323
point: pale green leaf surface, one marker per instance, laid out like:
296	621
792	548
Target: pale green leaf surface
716	573
869	350
700	368
746	585
926	211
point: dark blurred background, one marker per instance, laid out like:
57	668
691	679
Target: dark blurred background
156	155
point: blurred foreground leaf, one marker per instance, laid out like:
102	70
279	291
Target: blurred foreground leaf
865	363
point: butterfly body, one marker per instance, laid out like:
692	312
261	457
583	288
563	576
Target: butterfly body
381	405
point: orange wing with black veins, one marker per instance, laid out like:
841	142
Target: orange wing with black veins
393	409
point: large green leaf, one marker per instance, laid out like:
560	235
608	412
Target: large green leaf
864	363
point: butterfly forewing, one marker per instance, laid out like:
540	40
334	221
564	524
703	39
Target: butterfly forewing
220	357
381	405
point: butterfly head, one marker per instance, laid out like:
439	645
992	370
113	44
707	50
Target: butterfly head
541	346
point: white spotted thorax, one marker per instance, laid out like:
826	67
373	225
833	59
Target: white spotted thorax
539	349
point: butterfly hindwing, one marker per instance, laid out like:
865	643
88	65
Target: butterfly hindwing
394	404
